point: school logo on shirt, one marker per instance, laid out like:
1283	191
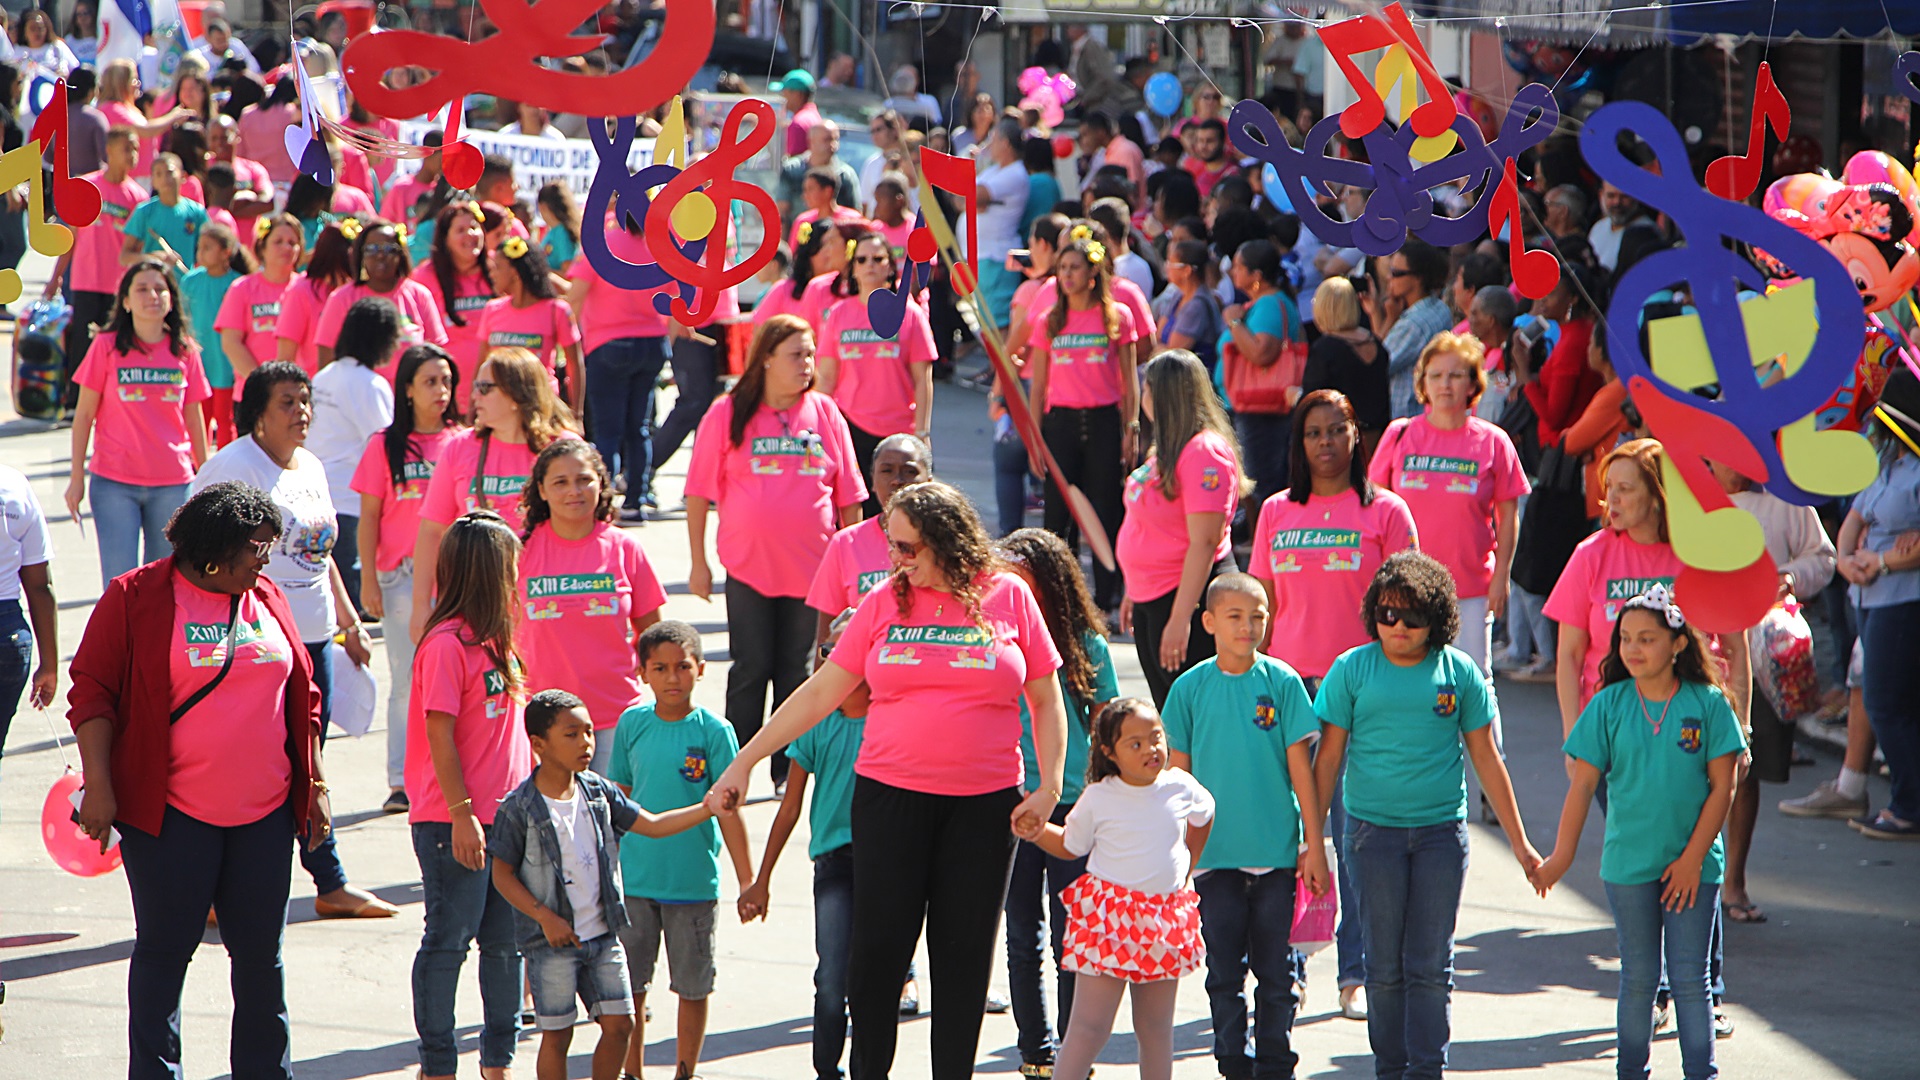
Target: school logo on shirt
885	348
497	490
1621	590
1419	472
207	643
1342	547
467	304
1446	699
767	451
1690	736
1210	478
870	580
1265	714
414	476
1086	348
507	339
961	646
693	767
163	383
599	589
115	210
265	316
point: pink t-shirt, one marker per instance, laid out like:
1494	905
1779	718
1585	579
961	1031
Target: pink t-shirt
1606	570
218	216
1320	559
140	433
263	137
577	628
1125	292
300	307
419	316
450	676
610	313
1083	360
808	217
1153	542
351	199
398	205
1451	480
252	306
399	504
543	328
96	248
779	492
471	294
817	302
875	381
780	300
250	175
858	560
227	756
945	718
354	173
896	235
455	489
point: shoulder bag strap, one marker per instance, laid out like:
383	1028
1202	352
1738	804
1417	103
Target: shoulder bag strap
476	487
233	622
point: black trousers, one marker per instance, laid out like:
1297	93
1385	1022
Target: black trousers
865	443
1086	443
938	859
768	639
88	308
1150	623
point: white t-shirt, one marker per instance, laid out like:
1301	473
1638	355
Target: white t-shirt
579	863
351	401
301	557
1135	269
548	132
1138	835
1000	222
25	543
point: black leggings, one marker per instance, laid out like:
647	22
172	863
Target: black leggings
1150	621
1086	443
768	638
938	859
865	443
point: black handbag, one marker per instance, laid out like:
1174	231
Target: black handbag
1560	471
1554	523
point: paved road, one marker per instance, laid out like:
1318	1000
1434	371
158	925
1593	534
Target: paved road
1827	989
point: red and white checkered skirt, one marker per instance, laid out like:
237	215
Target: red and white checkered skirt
1128	934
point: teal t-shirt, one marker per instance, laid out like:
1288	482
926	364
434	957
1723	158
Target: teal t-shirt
1236	729
1406	767
1274	313
827	750
179	225
1656	783
560	249
1106	687
670	764
203	293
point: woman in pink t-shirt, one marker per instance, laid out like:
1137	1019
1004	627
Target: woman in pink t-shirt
530	314
949	649
141	388
391	481
586	588
466	750
1174	539
808	263
457	275
380	268
1085	395
1461	477
515	416
329	268
884	386
776	457
249	317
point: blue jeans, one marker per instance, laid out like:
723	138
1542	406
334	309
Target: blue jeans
621	376
1649	933
242	874
1529	632
16	663
323	862
346	555
1264	439
396	592
1010	474
593	971
1411	879
694	378
1246	921
1349	935
1892	696
461	906
1037	874
123	515
833	945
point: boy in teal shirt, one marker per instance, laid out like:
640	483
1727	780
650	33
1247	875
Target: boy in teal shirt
666	755
203	289
1240	723
167	226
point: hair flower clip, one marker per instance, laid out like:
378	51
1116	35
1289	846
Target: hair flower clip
349	228
1096	252
1080	232
805	232
513	247
262	225
479	215
851	244
400	232
1659	600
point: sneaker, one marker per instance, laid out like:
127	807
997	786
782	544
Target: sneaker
633	515
1505	664
1825	801
1662	1014
1540	671
1722	1024
396	803
1353	1002
998	1003
1887	827
910	1000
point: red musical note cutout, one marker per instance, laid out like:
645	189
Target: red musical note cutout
1536	272
1365	33
956	175
683	207
76	200
460	161
1736	175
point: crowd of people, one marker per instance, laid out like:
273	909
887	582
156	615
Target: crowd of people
1345	494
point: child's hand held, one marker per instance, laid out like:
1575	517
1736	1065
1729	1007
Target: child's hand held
1319	878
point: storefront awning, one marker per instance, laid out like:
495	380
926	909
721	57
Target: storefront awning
1628	23
1043	11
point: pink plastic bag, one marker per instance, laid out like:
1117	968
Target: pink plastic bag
1314	916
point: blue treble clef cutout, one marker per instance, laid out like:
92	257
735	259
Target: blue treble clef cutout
1480	164
610	178
1715	275
887	308
1904	69
1307	173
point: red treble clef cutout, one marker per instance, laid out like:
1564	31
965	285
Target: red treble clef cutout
697	205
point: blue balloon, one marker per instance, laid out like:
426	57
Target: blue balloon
1164	93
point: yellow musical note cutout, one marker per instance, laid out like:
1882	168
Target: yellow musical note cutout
21	165
1830	462
1723	540
1396	66
1780	325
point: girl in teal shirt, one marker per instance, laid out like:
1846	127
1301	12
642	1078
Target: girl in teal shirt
1665	739
219	261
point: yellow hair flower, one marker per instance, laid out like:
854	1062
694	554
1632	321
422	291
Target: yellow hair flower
262	225
349	228
805	232
400	231
851	244
479	215
514	248
1080	232
1096	252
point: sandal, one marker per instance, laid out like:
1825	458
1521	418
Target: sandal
1743	913
1036	1069
1887	827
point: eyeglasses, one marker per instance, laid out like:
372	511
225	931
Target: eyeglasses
482	387
381	249
1398	616
862	260
907	549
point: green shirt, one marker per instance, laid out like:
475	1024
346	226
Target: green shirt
1656	783
1106	687
1405	765
1236	729
669	764
179	225
827	750
203	293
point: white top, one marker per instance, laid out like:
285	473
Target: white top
1135	269
300	560
235	48
1604	239
548	132
870	174
1138	835
579	863
911	105
25	542
350	403
1000	222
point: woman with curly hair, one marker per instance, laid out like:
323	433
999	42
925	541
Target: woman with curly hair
958	637
530	314
1397	712
586	588
379	268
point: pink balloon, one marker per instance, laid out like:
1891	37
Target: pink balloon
72	850
1801	192
1872	166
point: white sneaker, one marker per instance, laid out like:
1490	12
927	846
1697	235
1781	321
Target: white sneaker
1353	1003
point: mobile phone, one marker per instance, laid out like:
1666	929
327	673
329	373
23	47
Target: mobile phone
1023	257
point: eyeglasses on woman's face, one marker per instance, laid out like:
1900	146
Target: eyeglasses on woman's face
483	387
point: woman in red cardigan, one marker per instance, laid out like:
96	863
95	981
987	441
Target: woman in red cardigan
199	729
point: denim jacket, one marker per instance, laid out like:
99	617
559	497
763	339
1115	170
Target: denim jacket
523	837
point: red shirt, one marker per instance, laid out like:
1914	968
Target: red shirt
1565	384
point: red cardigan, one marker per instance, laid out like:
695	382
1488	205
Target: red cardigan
121	671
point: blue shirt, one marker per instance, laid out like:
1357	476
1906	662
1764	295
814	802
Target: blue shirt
1890	506
827	751
1043	192
179	225
203	293
669	764
1410	334
560	249
1405	764
1236	729
1106	687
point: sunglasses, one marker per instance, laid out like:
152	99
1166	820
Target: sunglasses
862	260
1399	616
262	549
483	387
907	549
381	249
